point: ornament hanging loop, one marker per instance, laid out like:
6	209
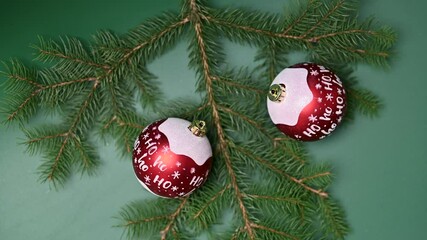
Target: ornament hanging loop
198	128
277	92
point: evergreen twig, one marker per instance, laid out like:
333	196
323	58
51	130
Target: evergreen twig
265	179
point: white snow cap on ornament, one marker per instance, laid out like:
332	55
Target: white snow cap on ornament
298	95
183	142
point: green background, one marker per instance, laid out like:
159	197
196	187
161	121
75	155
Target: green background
380	164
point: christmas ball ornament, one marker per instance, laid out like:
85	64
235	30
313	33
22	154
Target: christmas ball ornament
306	101
172	157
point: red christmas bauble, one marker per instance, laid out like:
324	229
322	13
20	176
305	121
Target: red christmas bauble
306	101
172	157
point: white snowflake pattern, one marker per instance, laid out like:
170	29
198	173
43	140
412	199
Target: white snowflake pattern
318	86
192	170
136	143
319	99
165	149
329	97
154	128
174	188
314	72
138	151
312	118
339	91
181	194
178	164
147	179
146	135
176	174
157	137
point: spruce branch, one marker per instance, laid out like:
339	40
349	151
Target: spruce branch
71	58
51	171
41	88
333	34
287	199
292	151
272	58
274	231
304	11
318	175
154	212
222	143
332	220
69	54
265	179
211	200
279	171
172	218
364	101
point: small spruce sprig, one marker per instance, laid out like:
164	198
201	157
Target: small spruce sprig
262	183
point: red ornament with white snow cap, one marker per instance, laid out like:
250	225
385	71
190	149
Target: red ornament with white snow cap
306	101
172	157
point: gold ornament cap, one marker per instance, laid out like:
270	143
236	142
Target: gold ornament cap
198	128
277	92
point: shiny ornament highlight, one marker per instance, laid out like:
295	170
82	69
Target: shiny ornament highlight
172	157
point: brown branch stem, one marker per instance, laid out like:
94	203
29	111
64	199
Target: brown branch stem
133	125
108	124
235	84
25	79
339	4
172	218
77	60
315	176
262	129
262	227
153	39
20	107
252	29
286	199
245	118
82	153
71	130
56	162
41	88
216	118
212	199
281	172
298	20
351	31
365	52
46	137
129	223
